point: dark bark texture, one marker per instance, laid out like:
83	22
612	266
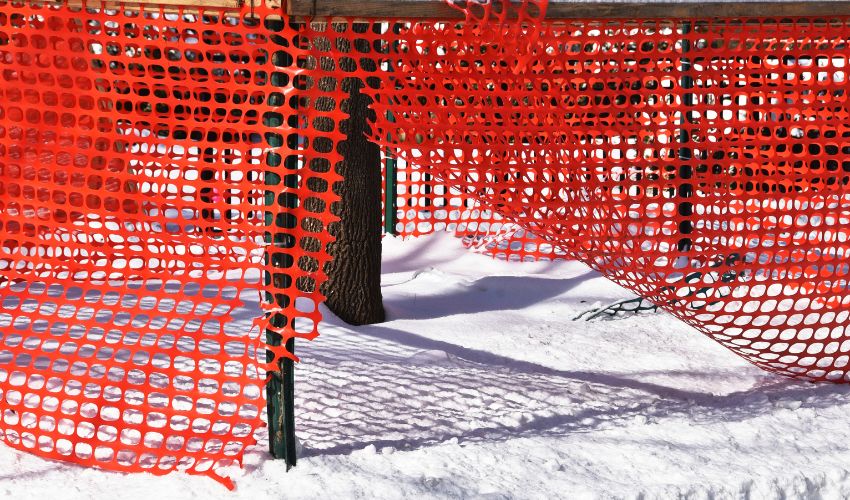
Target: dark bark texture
353	288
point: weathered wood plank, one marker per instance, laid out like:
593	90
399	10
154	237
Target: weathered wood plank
572	9
170	5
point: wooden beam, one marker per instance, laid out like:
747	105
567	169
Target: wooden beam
577	9
188	3
170	5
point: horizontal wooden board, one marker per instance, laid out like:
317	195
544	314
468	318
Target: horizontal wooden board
572	9
171	4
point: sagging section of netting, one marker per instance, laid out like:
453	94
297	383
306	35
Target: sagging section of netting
422	203
700	163
160	167
165	192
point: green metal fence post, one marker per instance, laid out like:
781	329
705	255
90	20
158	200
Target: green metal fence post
685	190
280	388
390	162
390	186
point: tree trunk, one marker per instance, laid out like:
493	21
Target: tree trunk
353	289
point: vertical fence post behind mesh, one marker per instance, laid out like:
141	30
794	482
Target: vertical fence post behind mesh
390	161
280	388
390	187
685	190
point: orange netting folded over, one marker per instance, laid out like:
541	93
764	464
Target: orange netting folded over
700	163
156	175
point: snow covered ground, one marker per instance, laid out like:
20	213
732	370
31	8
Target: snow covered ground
481	385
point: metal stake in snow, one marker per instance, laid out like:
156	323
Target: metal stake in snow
280	388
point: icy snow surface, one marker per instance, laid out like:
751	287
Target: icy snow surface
480	385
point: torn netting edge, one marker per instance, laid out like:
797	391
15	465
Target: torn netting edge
699	163
158	169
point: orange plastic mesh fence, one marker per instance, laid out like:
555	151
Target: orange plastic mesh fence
700	163
425	204
158	169
156	175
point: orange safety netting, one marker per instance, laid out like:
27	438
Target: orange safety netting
425	204
700	163
160	168
155	175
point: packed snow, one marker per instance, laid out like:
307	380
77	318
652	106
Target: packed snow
481	385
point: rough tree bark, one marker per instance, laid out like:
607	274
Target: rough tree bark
353	288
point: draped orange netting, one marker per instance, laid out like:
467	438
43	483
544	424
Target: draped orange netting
168	193
700	163
163	208
424	204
